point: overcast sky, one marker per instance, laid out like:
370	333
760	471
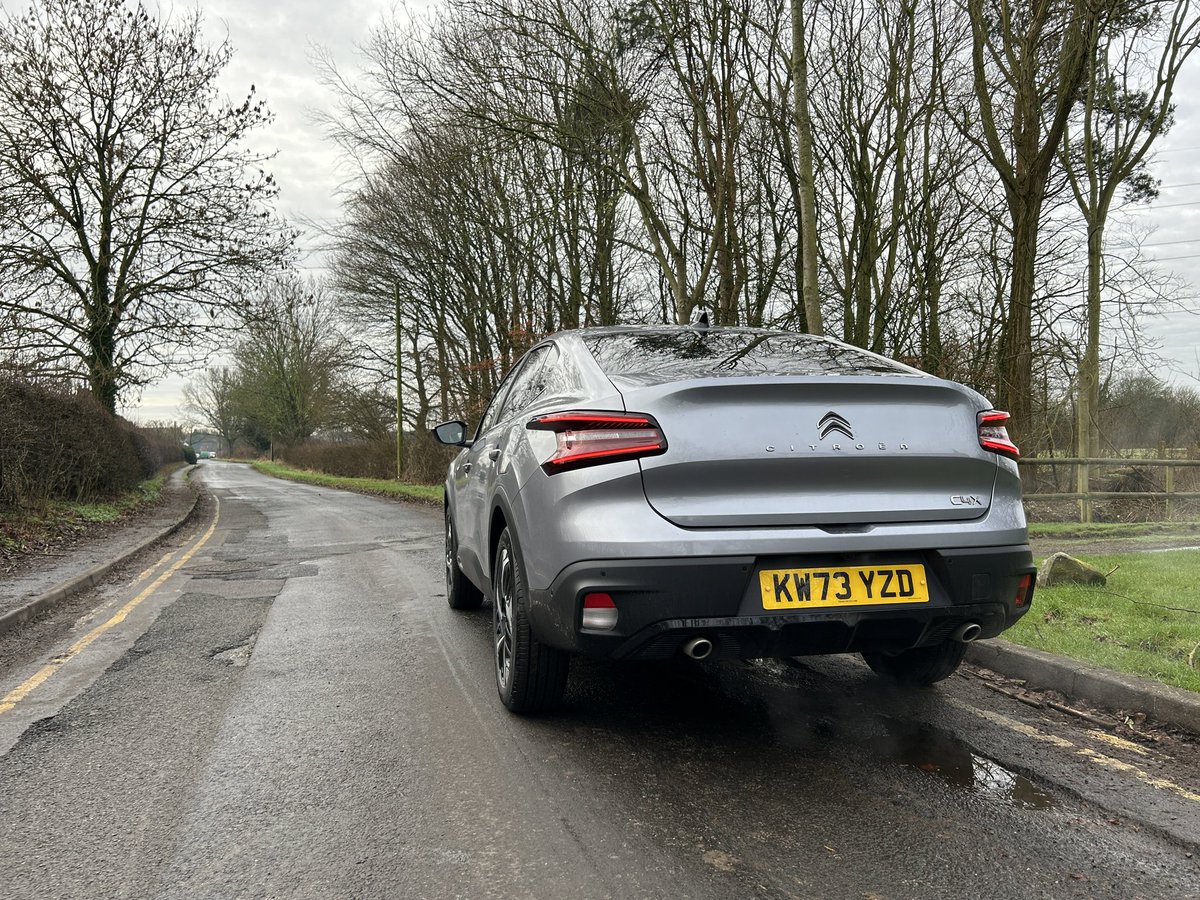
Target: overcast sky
273	45
273	42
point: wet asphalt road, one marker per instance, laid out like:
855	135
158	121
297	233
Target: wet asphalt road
293	711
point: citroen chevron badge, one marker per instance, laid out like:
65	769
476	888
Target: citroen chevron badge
831	422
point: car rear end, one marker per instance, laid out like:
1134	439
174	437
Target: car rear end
764	494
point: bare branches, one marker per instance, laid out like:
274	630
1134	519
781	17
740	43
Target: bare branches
289	366
529	165
125	196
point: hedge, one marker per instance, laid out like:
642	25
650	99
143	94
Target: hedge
60	444
425	460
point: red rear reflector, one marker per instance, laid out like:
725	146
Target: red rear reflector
1023	587
599	611
993	435
588	437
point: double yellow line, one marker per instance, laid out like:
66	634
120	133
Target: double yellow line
1099	759
19	693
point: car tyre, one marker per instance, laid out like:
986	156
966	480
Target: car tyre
460	592
920	666
530	676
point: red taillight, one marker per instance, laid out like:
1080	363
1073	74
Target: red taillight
1023	587
599	611
994	436
587	437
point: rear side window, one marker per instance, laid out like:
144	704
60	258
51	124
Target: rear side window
530	382
493	410
561	377
653	357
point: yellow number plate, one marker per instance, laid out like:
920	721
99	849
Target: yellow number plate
847	586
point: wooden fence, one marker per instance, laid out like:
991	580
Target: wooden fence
1083	469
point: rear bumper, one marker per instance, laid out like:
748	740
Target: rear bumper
665	602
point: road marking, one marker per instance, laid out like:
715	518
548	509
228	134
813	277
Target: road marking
1019	727
103	608
146	574
1087	753
1118	742
23	690
1161	783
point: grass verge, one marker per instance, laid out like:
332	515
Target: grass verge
61	522
1145	622
376	487
1113	530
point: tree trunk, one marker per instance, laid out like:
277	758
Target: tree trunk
1015	376
101	359
804	168
399	389
1089	367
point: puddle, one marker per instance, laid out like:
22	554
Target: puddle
936	753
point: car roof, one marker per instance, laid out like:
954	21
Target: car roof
584	339
602	330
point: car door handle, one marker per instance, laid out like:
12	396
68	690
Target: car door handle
466	467
494	454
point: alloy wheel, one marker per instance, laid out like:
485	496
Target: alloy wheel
502	616
451	553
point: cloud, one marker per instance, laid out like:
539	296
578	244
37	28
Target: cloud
273	44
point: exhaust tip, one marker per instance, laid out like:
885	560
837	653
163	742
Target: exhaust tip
698	648
967	632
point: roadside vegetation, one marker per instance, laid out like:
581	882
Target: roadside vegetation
1144	622
377	487
61	523
69	467
132	211
1115	531
941	183
664	158
58	444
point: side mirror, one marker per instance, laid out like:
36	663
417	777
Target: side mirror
452	433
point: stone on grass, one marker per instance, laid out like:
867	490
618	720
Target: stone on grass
1060	568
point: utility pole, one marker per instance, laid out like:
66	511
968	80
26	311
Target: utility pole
399	392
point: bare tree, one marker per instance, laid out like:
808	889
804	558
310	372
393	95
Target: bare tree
1029	60
290	363
213	400
129	210
1127	104
528	165
867	116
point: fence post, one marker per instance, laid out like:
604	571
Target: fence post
1168	479
1083	482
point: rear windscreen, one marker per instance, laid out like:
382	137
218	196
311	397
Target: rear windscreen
657	356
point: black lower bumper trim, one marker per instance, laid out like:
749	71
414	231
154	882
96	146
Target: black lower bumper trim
760	637
663	603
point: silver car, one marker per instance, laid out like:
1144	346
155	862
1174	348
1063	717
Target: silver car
646	493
